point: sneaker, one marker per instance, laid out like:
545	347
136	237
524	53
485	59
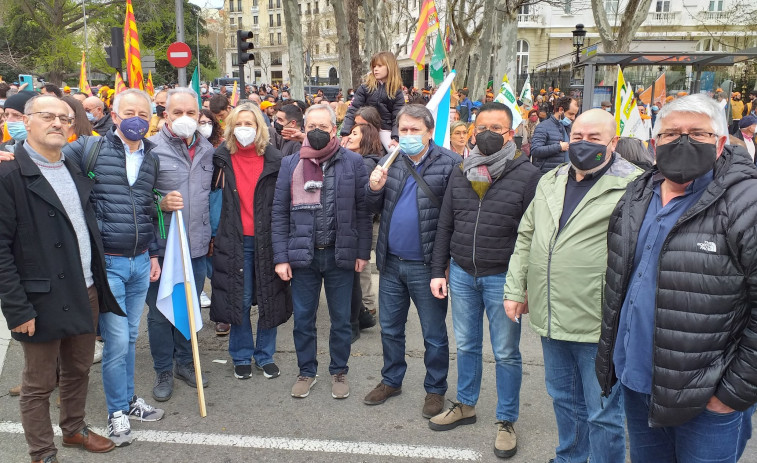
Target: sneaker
457	415
186	373
243	371
48	459
366	319
163	387
204	300
139	410
98	352
119	429
381	393
270	370
506	443
222	329
301	388
340	388
432	405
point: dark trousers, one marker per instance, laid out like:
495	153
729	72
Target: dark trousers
38	382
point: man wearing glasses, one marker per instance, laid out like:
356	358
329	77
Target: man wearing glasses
477	228
556	274
53	282
679	326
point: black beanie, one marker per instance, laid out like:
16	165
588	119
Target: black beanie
18	101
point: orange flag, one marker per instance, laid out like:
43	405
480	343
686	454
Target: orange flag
234	95
149	88
83	83
120	85
659	90
131	50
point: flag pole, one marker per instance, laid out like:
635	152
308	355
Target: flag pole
193	335
449	68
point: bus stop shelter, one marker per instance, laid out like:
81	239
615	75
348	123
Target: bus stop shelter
697	61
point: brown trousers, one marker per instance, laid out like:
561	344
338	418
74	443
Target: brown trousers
38	382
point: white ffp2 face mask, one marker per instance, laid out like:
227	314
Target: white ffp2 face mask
184	127
206	130
245	135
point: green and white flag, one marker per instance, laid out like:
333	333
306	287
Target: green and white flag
507	97
436	66
525	93
195	85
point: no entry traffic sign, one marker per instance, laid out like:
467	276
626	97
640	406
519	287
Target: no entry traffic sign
179	54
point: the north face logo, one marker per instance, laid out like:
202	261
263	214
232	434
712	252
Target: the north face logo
707	246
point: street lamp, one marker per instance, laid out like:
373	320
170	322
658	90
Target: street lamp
578	39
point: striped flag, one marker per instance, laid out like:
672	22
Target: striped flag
131	49
428	21
234	95
439	107
149	87
627	117
176	292
120	85
507	97
448	42
83	82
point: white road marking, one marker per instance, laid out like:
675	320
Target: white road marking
5	339
283	443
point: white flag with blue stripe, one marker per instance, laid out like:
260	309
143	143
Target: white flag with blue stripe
176	273
439	107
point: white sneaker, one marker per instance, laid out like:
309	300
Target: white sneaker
98	352
119	429
204	300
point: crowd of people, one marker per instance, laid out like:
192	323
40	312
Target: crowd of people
635	262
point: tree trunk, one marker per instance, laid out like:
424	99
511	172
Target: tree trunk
356	63
480	72
293	27
375	41
619	42
505	58
343	45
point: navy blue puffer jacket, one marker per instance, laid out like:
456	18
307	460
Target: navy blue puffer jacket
545	144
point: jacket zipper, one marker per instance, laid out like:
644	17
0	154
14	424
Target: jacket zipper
134	215
475	233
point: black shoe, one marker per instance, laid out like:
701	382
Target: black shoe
243	371
270	370
366	319
186	373
163	387
355	333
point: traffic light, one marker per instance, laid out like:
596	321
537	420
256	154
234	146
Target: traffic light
243	47
115	52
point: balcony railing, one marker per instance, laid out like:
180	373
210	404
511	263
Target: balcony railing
664	17
530	18
713	16
255	9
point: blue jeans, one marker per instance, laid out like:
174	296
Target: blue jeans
306	293
709	437
242	347
400	281
128	278
166	342
472	298
587	424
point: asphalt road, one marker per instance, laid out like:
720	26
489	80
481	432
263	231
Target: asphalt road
257	420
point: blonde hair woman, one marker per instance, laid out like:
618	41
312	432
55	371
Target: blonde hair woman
246	168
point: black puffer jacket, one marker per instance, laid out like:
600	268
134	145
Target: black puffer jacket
436	171
272	295
387	106
480	234
705	334
124	212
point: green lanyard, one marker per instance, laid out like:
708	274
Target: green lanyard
161	222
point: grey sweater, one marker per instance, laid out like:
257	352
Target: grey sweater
60	179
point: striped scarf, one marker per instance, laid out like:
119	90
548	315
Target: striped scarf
480	169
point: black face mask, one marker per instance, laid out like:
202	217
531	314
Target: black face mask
278	127
684	160
318	139
489	142
159	110
585	155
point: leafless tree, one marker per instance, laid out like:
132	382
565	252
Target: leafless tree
344	51
617	38
293	27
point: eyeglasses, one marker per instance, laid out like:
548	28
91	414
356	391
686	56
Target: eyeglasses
494	128
210	123
702	137
49	117
324	127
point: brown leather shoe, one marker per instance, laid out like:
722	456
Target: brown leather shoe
380	394
222	329
89	441
433	405
15	391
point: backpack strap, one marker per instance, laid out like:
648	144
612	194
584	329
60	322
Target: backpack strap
422	183
89	161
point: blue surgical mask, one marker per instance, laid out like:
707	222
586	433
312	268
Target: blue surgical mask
565	121
411	144
90	117
153	107
16	130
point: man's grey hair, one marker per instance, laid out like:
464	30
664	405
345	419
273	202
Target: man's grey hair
179	91
697	104
130	91
417	111
29	106
11	91
321	107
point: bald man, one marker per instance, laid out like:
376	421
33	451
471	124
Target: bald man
95	108
560	260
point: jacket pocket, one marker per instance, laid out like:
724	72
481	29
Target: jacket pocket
36	285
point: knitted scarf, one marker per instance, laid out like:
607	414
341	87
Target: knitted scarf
480	169
307	178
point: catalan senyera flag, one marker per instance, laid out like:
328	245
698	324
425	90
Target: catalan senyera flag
428	21
83	83
234	95
120	85
149	87
131	50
